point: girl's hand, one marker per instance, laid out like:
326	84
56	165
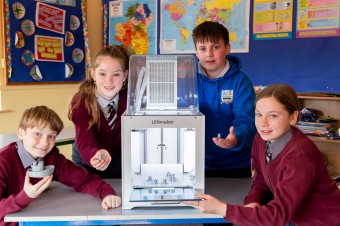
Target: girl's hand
33	191
229	142
252	205
209	204
111	201
101	160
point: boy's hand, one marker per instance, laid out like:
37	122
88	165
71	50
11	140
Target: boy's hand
111	201
101	160
229	142
33	191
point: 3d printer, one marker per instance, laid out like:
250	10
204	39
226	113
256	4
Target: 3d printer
162	133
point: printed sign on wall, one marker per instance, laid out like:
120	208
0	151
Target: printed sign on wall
50	18
49	48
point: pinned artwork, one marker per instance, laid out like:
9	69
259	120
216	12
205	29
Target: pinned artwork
77	55
27	26
45	41
35	73
27	58
68	70
19	40
74	23
69	39
18	10
60	2
50	18
49	48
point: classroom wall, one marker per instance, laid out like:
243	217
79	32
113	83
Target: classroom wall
14	99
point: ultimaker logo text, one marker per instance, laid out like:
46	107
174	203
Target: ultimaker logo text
162	122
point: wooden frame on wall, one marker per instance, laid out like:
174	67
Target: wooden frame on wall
2	44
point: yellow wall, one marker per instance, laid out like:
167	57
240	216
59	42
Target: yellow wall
15	98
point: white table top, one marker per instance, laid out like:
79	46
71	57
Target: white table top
60	203
66	135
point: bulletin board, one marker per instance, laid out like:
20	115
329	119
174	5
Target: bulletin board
46	41
307	64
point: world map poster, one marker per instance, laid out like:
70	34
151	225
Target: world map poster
180	17
133	24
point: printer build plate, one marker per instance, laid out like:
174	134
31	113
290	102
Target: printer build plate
161	194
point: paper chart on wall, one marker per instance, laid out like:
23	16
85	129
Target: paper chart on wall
179	18
133	24
273	19
318	19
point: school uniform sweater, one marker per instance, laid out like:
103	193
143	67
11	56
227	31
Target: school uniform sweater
12	178
89	141
227	101
294	186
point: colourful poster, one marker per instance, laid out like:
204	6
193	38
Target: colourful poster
273	19
46	41
50	18
180	17
133	25
317	18
49	48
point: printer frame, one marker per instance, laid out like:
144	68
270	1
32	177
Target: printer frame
162	142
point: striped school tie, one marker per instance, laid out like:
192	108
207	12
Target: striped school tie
111	115
269	155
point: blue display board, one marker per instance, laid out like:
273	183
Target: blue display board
45	41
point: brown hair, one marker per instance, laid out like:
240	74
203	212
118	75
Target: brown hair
87	88
285	94
210	31
41	116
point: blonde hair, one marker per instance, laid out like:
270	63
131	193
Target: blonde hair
40	117
87	88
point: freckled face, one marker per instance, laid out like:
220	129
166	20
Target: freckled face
38	141
109	76
272	120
